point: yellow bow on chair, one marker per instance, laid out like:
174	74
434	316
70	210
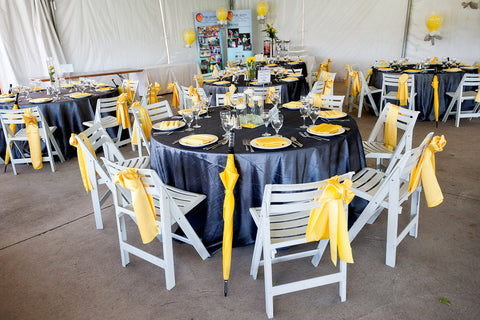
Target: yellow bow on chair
82	162
402	93
329	221
369	73
328	64
12	128
199	79
123	117
435	96
317	100
425	169
321	68
129	92
356	84
33	136
347	67
176	96
193	93
145	122
270	93
390	134
142	203
154	90
327	90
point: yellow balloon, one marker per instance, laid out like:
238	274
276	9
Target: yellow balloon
262	8
189	36
434	22
222	14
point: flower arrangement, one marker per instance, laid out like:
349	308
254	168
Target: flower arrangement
51	70
271	32
251	67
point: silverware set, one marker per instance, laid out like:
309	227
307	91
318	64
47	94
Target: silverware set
216	145
248	146
295	142
307	135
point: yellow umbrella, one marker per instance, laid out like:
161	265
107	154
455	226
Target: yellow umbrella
229	178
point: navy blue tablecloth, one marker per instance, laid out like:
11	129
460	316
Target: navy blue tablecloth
198	170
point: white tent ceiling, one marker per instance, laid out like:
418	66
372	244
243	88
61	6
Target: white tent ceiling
101	35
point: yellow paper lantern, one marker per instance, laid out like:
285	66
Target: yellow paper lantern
262	8
222	14
189	37
434	22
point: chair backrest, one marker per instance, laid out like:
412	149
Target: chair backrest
468	80
391	80
10	116
330	75
98	137
333	102
105	106
262	91
220	99
133	87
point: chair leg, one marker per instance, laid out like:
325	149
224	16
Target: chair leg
267	270
54	143
414	211
257	255
360	104
122	238
449	109
372	102
342	284
50	154
322	245
97	211
190	233
168	257
457	113
392	228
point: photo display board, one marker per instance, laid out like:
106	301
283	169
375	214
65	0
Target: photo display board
239	35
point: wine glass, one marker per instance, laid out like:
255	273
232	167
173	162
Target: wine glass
266	121
224	114
207	106
313	114
228	123
188	118
304	108
196	112
277	122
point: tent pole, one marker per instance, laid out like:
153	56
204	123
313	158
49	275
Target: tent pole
164	31
303	23
407	27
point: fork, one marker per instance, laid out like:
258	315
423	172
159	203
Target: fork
245	144
306	135
248	145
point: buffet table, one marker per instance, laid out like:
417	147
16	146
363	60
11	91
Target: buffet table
197	170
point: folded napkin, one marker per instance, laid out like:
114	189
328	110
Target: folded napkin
434	60
385	69
101	84
292	104
189	110
197	139
169	124
67	85
210	80
452	69
469	67
104	89
295	74
271	65
6	95
290	79
412	70
326	128
248	125
331	114
294	62
35	89
8	100
383	64
37	100
80	94
271	142
222	82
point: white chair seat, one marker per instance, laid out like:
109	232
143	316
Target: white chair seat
21	134
375	149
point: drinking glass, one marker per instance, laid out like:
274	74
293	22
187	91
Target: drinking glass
196	111
224	114
228	123
207	106
277	123
304	112
313	114
188	118
266	121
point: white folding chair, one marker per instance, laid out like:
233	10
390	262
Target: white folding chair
365	92
282	223
333	102
464	92
390	89
375	148
219	99
10	116
98	137
103	115
263	91
181	96
157	112
317	88
171	205
133	87
388	191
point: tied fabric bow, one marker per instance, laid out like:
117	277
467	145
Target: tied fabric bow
329	221
145	122
402	93
82	161
33	136
228	95
431	37
193	93
154	90
327	90
435	96
12	128
176	96
122	112
141	201
425	169
390	134
356	85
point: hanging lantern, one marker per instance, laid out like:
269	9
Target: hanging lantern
222	14
188	37
262	9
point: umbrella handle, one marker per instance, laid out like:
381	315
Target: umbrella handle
225	287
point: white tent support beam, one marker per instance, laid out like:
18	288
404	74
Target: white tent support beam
407	27
164	30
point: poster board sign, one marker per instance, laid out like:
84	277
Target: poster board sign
263	76
209	43
239	35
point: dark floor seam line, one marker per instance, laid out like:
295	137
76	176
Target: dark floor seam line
461	197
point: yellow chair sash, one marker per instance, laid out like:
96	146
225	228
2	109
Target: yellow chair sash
199	78
129	91
327	90
347	67
325	76
192	92
123	117
390	134
33	136
317	100
328	65
402	93
270	93
435	96
154	90
329	221
369	73
356	84
425	169
82	162
176	96
12	128
145	122
142	203
321	68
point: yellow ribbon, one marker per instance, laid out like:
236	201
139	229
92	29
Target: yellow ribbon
154	90
199	78
145	122
434	60
356	84
329	221
227	100
192	92
129	91
214	72
477	97
435	96
321	68
142	203
425	169
347	68
33	136
383	64
122	112
12	128
478	67
82	162
390	134
327	90
369	73
317	100
325	76
402	93
328	64
176	96
270	93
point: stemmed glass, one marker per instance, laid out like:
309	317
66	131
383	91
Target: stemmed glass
266	121
228	122
207	106
196	112
304	108
277	123
188	118
313	114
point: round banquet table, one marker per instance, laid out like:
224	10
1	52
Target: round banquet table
447	82
67	114
197	170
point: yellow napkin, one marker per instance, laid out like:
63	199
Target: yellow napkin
145	122
402	93
82	161
293	104
33	136
210	80
104	89
37	100
221	82
469	67
6	95
317	100
35	89
294	62
271	65
142	203
326	128
80	94
271	142
176	96
390	134
154	90
123	117
383	64
7	100
434	60
369	73
248	125
329	221
101	84
197	139
65	86
453	69
426	170
290	79
331	114
385	69
295	74
435	96
189	110
356	84
327	90
412	70
169	124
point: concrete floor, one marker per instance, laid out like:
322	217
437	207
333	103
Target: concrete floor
54	264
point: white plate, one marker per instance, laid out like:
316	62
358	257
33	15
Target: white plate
104	89
73	97
7	100
340	131
200	145
286	106
40	100
254	144
342	116
201	112
156	126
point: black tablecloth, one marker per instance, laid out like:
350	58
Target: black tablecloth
198	170
447	82
67	114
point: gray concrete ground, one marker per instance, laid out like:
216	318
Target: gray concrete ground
54	264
